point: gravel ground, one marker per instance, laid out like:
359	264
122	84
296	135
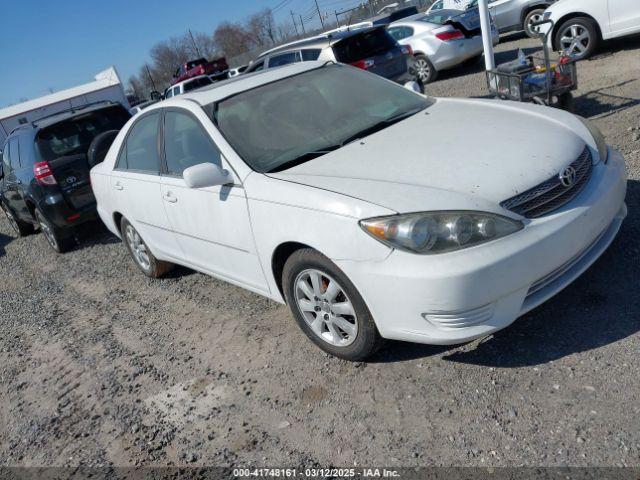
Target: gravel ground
101	366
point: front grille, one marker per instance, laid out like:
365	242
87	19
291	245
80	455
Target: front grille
551	194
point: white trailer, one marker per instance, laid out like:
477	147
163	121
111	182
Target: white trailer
106	86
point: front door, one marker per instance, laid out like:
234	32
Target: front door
624	16
211	224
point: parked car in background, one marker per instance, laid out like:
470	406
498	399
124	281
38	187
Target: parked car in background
509	15
194	68
234	72
187	86
45	171
388	16
372	49
368	217
580	25
141	106
441	39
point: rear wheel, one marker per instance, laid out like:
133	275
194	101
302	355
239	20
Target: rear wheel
534	16
142	256
328	308
424	69
58	240
578	37
21	228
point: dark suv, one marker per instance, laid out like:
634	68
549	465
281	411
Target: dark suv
44	179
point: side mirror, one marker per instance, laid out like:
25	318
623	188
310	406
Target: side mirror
206	175
100	146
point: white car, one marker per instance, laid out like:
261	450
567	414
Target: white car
353	200
185	86
580	25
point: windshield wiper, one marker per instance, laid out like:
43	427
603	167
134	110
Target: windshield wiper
305	157
376	127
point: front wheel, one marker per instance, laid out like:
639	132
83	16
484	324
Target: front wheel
55	237
424	70
22	229
328	308
578	37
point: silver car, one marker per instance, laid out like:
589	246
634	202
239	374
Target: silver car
441	39
509	15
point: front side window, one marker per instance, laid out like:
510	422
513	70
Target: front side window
141	148
285	122
186	143
284	59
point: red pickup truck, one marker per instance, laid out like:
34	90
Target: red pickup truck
201	66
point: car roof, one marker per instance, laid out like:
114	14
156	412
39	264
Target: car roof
241	83
320	41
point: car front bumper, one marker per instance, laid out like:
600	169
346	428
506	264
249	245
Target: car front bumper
457	297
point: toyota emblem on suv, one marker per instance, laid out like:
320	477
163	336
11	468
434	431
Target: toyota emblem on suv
568	176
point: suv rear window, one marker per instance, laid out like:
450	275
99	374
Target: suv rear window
197	83
73	136
363	45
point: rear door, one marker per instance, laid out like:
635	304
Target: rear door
624	16
14	183
135	183
378	50
506	13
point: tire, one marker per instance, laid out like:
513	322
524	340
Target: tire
577	36
533	16
140	253
61	242
423	69
340	322
22	229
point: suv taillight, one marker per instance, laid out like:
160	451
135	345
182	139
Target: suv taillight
43	173
447	35
364	64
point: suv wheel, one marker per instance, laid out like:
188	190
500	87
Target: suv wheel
328	308
21	228
55	238
578	37
142	256
534	16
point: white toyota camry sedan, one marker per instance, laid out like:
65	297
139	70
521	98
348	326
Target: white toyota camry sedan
372	211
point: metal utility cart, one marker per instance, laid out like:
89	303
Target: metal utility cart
537	80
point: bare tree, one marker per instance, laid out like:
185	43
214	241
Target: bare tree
232	39
261	28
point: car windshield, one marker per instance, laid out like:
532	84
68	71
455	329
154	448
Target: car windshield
292	120
73	136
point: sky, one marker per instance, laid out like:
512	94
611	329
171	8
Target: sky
55	44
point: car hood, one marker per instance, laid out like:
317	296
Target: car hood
456	154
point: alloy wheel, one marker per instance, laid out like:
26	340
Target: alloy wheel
326	308
11	219
533	19
138	248
48	232
422	69
575	39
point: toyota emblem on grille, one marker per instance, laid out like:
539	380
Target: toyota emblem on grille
568	176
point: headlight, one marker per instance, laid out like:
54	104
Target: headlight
439	232
603	151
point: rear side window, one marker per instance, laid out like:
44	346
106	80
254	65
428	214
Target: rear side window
197	83
284	59
310	54
363	45
14	153
73	136
141	148
6	164
186	143
26	151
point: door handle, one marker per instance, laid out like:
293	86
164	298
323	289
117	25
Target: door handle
118	186
168	197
